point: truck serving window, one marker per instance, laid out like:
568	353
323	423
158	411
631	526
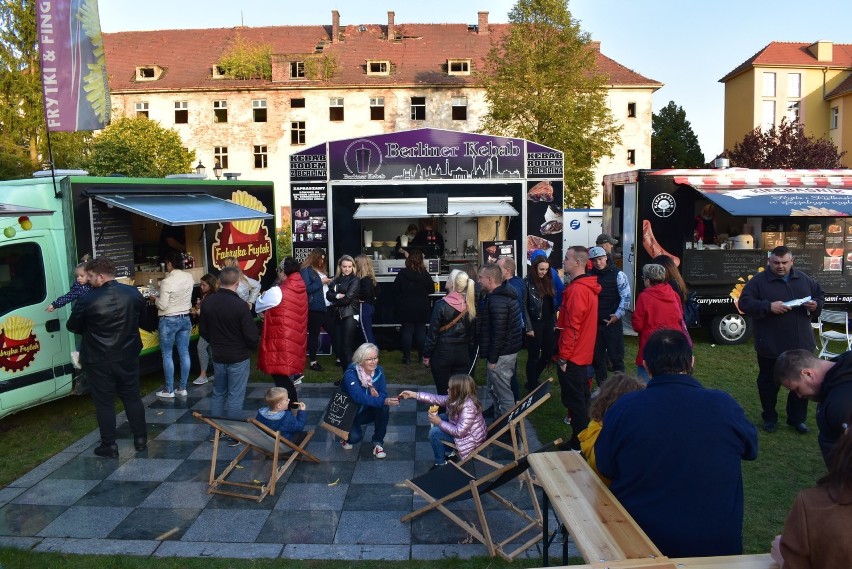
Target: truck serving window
21	276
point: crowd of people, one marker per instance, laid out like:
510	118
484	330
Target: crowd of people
574	326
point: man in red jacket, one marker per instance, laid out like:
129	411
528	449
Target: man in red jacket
578	330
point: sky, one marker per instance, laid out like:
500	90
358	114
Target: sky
688	45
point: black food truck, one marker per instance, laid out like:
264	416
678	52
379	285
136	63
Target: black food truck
664	212
487	196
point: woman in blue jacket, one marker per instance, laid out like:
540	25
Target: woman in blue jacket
364	381
316	282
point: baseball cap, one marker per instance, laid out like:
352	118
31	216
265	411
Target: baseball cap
596	252
605	238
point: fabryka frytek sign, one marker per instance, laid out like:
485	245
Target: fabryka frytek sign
426	154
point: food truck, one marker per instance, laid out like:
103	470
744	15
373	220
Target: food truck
50	223
658	212
486	195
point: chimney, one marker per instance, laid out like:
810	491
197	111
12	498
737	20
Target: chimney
335	25
482	27
823	50
391	29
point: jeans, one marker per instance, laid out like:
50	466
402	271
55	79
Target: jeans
229	390
574	383
436	438
366	317
767	389
366	415
609	344
174	331
498	380
412	334
317	319
109	379
540	350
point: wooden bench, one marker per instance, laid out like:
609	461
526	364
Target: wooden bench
605	534
762	561
599	524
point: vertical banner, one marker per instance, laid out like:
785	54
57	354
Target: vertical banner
73	65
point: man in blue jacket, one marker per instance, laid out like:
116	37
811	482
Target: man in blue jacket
782	321
673	452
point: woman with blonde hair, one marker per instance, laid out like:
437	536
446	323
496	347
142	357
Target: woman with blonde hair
366	296
343	295
248	289
451	331
314	273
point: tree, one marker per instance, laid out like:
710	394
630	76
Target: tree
673	143
541	83
784	146
138	147
23	144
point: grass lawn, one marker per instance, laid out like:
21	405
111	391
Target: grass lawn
787	462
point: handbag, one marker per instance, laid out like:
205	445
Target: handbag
452	322
692	311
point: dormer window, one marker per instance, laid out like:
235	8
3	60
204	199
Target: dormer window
148	72
458	67
378	67
218	72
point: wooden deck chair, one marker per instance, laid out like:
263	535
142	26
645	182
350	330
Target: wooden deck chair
452	483
512	426
254	436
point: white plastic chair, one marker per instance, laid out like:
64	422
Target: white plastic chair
839	332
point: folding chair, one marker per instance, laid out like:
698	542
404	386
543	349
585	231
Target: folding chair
511	424
254	436
839	333
452	483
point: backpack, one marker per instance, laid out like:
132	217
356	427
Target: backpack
692	311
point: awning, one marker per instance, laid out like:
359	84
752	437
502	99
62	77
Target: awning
783	202
418	210
182	209
9	210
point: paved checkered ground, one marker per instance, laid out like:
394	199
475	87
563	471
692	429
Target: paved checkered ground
155	502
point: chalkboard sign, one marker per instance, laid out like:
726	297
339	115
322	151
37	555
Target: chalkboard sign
339	414
113	238
720	266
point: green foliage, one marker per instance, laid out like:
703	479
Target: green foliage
284	241
784	146
321	67
138	147
673	143
542	84
246	60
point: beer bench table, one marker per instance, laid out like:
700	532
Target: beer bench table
605	534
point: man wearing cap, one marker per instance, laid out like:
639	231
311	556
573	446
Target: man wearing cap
613	302
606	241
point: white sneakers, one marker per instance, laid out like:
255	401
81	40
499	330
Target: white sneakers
379	452
345	445
181	392
171	394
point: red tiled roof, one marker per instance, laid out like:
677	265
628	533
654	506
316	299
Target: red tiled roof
844	88
795	55
419	58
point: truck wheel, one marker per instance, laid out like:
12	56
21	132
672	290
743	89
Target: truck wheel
730	329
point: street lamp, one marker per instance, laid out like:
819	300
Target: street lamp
200	169
217	170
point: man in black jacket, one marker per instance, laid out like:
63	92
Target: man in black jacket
227	324
829	383
108	318
781	318
499	327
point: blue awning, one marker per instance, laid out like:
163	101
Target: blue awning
182	209
783	201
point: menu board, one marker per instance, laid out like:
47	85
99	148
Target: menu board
493	250
112	237
713	267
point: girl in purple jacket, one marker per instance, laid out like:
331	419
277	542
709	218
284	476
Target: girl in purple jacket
463	422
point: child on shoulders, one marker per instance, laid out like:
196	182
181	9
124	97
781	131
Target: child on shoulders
462	424
611	391
278	416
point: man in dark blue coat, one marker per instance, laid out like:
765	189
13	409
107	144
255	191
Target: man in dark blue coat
673	452
774	299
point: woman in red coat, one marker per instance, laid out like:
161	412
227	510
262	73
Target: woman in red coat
284	342
657	306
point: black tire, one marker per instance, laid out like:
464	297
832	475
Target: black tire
730	329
